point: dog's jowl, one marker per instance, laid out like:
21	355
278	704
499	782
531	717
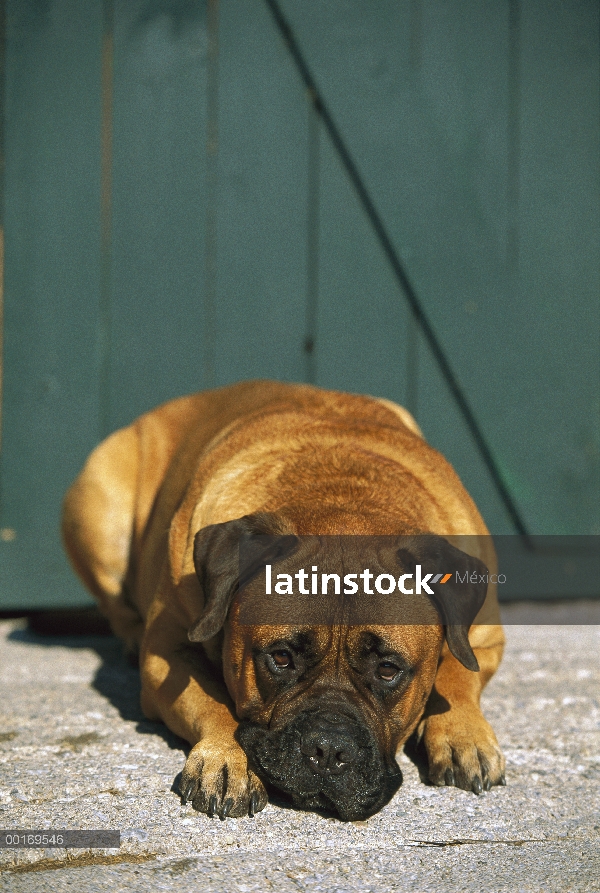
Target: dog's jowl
304	667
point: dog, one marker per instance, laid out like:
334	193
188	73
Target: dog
317	710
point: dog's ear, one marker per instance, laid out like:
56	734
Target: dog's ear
459	600
217	563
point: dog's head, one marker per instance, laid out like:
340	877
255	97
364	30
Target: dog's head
327	688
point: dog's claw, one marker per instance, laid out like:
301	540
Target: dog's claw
212	805
449	777
253	804
503	780
487	785
476	786
226	808
186	794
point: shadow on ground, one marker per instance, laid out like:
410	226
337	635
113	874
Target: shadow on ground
115	678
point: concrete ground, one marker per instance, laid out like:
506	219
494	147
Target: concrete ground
75	751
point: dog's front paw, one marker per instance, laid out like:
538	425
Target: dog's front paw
462	750
217	780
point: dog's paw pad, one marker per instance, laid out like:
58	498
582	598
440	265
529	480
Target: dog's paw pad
217	781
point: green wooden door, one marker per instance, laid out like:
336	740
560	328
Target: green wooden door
176	218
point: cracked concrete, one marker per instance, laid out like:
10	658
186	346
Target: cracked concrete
75	751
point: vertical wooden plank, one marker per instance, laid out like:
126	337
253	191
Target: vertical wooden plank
361	320
106	173
2	168
50	399
262	206
313	234
555	355
158	206
463	83
212	196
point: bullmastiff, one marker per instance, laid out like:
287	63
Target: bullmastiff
317	710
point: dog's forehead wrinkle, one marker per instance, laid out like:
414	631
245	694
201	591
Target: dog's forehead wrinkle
303	641
369	641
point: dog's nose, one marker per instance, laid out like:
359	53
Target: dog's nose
329	746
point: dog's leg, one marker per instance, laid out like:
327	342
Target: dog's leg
197	707
461	746
97	527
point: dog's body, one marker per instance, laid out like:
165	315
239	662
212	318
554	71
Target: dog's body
151	525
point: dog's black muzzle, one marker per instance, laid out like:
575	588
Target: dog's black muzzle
324	759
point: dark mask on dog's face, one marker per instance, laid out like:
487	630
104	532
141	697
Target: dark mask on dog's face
323	706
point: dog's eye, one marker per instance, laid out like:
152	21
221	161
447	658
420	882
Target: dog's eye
282	660
387	671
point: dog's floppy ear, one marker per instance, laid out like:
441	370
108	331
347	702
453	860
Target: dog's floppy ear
217	563
459	600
